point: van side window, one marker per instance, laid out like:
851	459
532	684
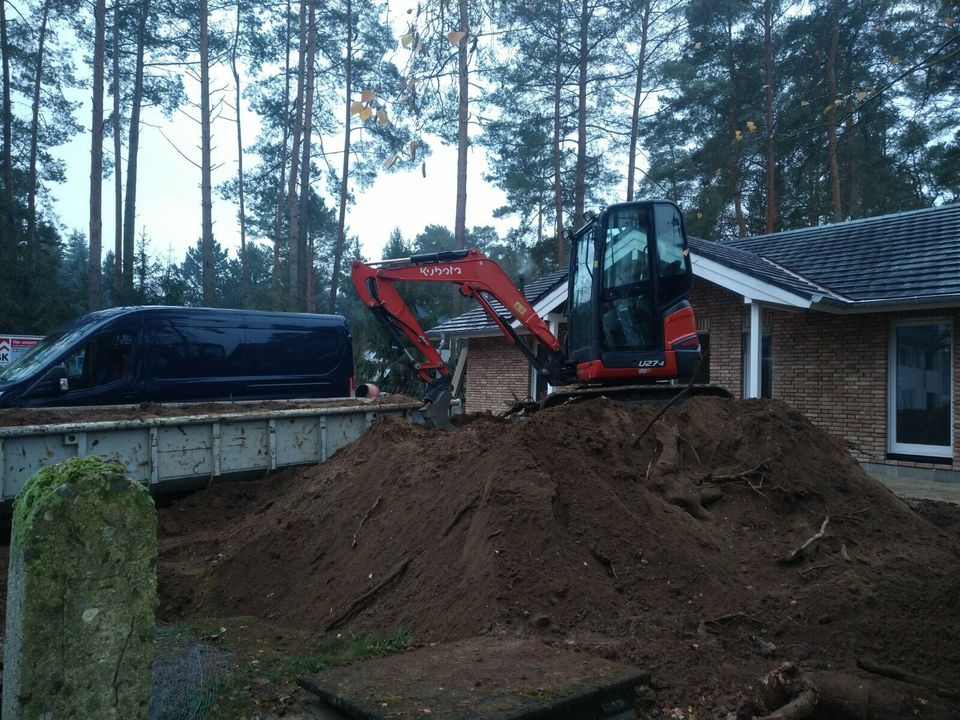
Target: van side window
196	352
292	351
104	359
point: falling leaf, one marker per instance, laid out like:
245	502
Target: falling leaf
456	36
895	60
738	136
861	95
830	108
804	103
382	117
366	113
406	40
419	47
697	46
367	95
751	126
355	107
388	163
699	216
948	22
718	172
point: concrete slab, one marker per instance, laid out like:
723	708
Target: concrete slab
482	679
926	489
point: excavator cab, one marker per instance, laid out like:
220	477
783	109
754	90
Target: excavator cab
629	319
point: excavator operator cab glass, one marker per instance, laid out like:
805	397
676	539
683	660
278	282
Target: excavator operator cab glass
626	308
674	271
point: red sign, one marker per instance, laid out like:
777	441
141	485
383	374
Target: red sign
12	346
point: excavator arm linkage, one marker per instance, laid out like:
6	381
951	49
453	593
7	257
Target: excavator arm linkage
478	277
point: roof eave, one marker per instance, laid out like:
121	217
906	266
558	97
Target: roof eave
750	287
932	302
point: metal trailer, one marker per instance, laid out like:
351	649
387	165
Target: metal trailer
185	450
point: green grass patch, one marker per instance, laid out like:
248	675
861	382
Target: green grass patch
269	674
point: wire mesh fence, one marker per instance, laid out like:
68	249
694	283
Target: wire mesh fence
185	680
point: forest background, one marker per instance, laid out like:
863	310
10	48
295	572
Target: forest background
754	115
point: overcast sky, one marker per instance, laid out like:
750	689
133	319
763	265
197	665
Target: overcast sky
168	197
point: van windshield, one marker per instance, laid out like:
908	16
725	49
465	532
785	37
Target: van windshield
40	355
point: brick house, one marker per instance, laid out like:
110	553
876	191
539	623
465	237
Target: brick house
852	323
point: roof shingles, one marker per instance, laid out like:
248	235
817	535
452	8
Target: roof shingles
903	256
476	322
908	256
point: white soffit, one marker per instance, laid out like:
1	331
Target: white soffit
750	287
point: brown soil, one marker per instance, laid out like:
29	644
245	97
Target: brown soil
664	552
14	417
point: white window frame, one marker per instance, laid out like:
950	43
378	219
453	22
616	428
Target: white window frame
939	452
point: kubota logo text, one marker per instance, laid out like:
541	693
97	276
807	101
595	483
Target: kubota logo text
438	271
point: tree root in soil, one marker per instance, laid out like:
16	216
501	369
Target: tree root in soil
786	693
808	546
361	602
667	476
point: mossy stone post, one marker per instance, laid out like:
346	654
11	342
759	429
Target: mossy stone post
81	596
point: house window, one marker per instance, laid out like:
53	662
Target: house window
920	389
766	364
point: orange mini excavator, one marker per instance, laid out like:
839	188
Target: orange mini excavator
631	331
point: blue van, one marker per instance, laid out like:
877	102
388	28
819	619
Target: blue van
174	354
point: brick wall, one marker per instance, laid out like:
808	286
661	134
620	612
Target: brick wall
497	372
833	368
722	314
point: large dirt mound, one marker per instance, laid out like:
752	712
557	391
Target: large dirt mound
663	547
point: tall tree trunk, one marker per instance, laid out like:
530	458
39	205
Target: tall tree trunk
463	135
8	246
133	151
772	210
637	99
345	177
294	297
733	161
96	157
555	145
580	188
853	167
278	220
304	211
206	186
832	116
311	274
118	297
32	182
244	265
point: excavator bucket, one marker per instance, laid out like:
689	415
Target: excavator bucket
435	411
